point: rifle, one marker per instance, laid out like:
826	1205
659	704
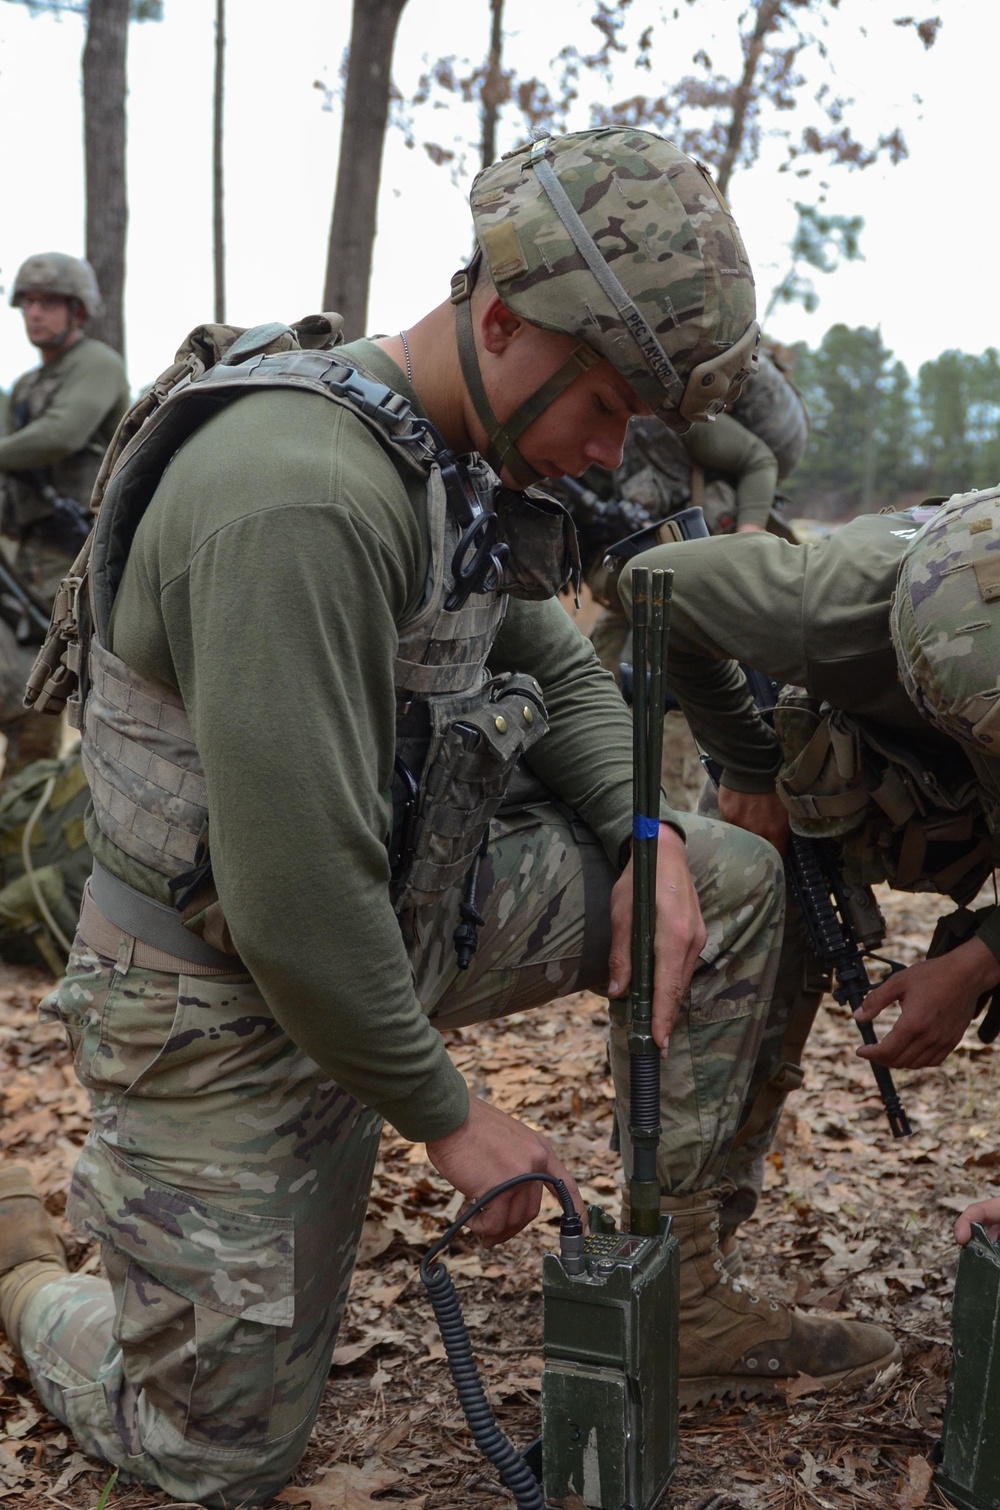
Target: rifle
76	520
28	618
600	522
842	921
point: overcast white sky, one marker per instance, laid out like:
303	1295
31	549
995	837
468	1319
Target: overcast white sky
932	224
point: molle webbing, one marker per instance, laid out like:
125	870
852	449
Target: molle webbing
144	772
902	816
440	651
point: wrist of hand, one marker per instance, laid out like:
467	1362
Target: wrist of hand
980	964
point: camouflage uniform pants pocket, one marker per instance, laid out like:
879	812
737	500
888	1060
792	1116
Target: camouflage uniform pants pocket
116	1023
201	1291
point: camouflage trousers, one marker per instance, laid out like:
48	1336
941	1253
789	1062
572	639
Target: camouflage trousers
226	1177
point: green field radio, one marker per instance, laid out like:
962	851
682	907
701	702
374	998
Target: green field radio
969	1450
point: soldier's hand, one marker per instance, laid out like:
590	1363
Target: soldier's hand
487	1149
986	1213
937	998
680	932
760	813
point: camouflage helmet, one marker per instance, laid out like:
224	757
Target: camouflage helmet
945	623
618	238
58	273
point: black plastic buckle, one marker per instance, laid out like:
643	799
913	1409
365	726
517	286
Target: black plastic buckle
373	399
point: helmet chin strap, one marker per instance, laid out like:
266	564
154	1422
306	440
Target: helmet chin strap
502	439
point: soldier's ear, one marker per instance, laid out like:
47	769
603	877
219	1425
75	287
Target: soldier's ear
498	325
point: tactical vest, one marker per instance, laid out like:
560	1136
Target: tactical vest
459	732
71	477
900	812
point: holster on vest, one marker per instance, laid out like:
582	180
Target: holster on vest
475	742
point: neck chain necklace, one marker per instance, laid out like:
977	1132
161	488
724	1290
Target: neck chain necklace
406	358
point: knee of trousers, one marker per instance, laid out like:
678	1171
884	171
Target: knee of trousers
736	873
226	1479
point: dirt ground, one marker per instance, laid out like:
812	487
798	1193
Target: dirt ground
852	1223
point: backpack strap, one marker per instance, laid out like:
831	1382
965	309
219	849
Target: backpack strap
214	366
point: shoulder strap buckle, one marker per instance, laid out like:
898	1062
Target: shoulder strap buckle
375	400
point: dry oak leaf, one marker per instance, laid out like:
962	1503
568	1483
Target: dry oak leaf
803	1384
914	1493
344	1487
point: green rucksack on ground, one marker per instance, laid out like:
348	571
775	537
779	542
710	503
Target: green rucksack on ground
44	861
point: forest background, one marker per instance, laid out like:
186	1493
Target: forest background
196	154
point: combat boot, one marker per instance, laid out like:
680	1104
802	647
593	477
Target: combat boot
31	1250
735	1344
731	1254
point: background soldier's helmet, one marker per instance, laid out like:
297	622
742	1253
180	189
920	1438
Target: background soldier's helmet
946	627
620	239
57	273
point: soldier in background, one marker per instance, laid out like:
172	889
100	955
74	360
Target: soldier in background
731	470
58	422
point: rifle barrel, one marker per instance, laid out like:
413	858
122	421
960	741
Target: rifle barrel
832	936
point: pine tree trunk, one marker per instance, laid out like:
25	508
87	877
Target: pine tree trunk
218	194
366	111
104	132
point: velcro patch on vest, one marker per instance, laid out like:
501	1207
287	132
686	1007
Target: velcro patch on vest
987	571
503	250
487	197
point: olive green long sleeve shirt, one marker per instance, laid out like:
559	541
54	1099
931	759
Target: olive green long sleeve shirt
267	581
727	446
89	396
812	615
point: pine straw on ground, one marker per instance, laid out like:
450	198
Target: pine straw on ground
852	1223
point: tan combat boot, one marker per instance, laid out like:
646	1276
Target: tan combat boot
735	1344
31	1250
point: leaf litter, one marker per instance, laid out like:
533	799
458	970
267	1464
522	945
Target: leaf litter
851	1223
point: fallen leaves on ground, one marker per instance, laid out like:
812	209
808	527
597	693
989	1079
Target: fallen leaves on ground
852	1223
343	1487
